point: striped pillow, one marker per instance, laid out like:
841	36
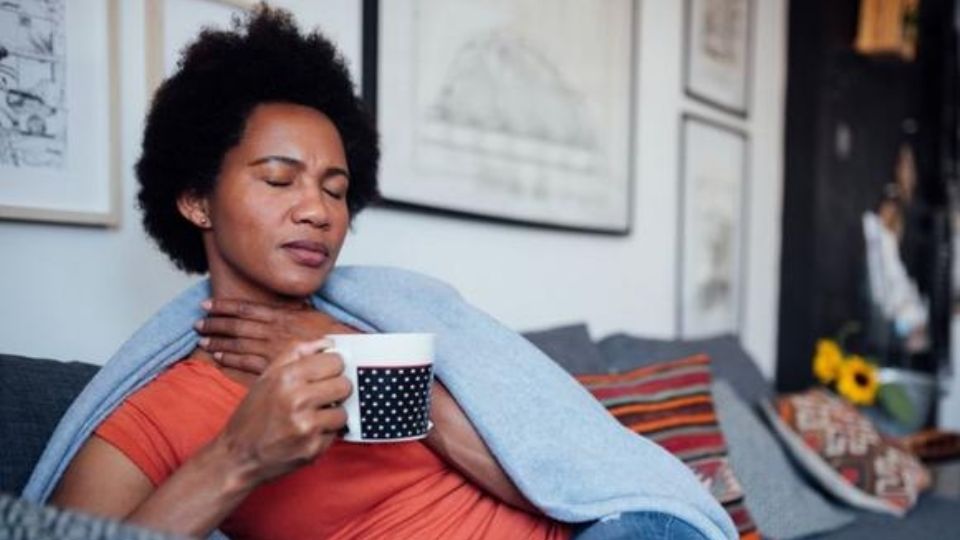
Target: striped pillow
670	404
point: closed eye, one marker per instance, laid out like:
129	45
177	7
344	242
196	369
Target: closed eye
335	194
277	182
336	184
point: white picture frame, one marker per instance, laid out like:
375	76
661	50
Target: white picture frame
165	42
59	112
518	111
713	203
718	53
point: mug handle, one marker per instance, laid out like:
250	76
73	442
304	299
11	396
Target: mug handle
342	353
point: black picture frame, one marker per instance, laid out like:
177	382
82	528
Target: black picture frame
686	155
371	89
703	95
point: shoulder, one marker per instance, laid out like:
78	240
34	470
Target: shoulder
164	423
393	279
189	386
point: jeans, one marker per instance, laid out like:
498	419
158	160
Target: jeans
638	525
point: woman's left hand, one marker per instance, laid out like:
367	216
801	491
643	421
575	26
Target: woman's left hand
245	335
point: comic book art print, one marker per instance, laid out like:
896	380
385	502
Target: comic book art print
56	102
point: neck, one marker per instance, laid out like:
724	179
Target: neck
219	289
227	284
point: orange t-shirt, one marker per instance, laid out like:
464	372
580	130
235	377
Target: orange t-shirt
398	490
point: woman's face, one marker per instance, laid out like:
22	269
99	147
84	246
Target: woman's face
277	217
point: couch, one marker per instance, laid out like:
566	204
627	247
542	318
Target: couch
34	393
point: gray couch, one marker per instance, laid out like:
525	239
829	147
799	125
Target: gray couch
34	393
782	500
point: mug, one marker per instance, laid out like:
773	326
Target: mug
392	375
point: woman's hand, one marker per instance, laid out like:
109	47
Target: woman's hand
291	414
246	335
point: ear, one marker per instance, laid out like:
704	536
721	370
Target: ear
194	207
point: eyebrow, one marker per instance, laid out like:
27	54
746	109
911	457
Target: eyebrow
292	162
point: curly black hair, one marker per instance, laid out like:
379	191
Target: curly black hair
201	111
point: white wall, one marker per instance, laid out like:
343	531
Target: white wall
76	293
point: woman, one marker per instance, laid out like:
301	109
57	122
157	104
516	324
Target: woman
268	229
256	156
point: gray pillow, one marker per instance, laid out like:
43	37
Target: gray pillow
782	504
34	394
571	347
728	360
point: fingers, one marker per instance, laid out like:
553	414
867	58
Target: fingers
320	430
331	420
243	362
244	346
323	395
316	367
233	327
300	350
316	381
241	309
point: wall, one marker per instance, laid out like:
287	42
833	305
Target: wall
76	293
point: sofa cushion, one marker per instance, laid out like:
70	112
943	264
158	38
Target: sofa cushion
571	347
34	394
670	403
839	447
730	361
769	480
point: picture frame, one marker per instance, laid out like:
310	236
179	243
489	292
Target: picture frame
712	225
59	112
718	53
163	42
518	112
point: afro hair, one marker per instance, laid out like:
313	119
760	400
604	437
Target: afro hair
200	113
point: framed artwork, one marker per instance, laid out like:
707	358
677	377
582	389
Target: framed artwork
511	110
712	225
164	42
59	111
718	53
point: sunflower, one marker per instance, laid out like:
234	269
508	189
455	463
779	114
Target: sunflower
827	361
858	381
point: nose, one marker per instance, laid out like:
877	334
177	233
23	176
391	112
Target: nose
311	209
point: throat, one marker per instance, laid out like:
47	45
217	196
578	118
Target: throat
249	294
228	281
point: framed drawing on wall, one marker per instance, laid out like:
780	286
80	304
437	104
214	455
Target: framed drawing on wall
165	41
717	60
512	110
59	111
712	226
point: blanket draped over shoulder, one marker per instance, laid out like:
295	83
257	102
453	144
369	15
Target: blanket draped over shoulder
561	448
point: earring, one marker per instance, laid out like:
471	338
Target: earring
203	221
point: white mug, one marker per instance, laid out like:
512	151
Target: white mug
391	376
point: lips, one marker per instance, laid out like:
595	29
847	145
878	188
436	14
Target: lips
307	252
